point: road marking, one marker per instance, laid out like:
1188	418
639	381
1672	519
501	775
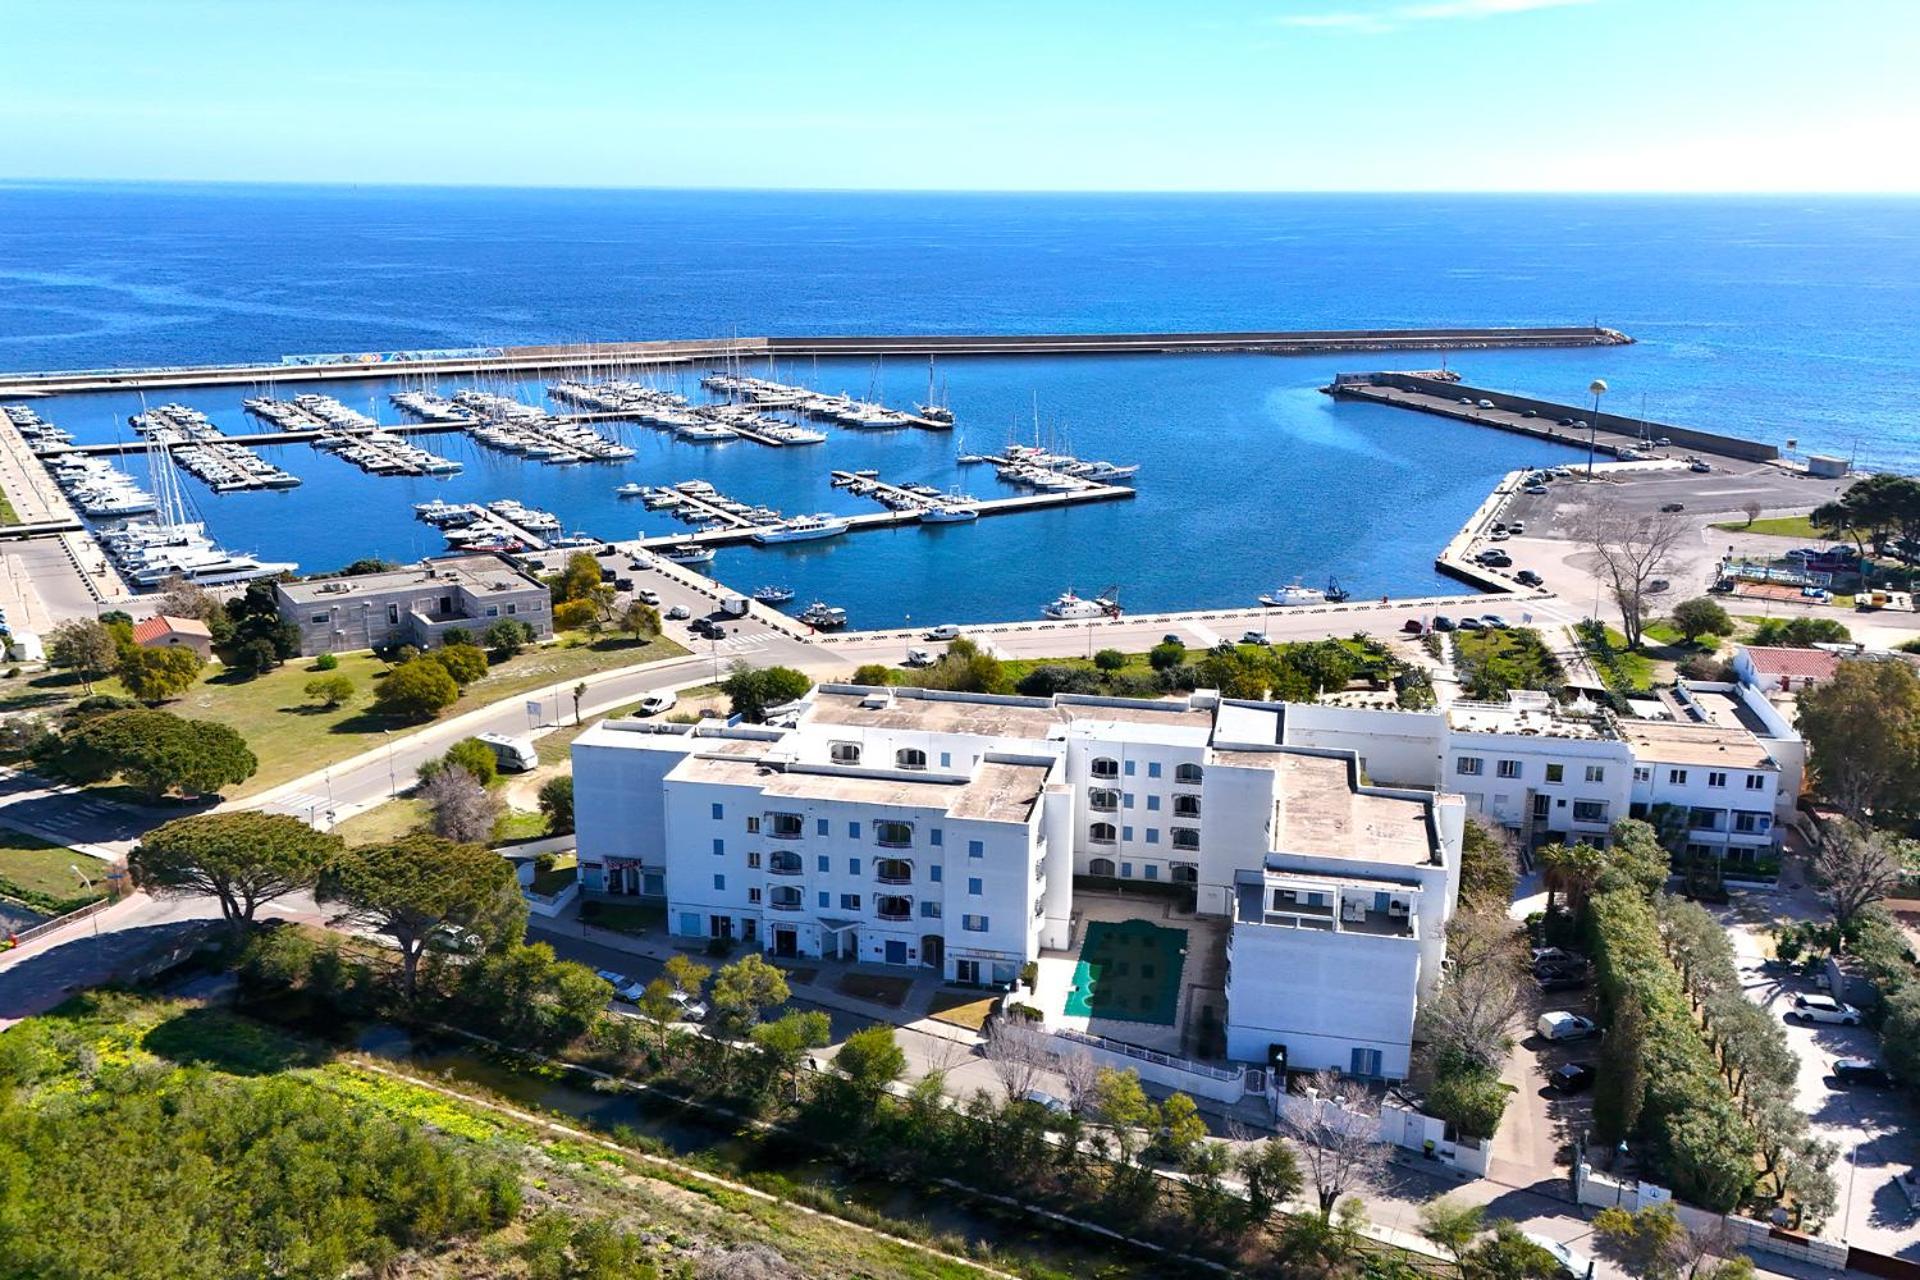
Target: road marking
1206	638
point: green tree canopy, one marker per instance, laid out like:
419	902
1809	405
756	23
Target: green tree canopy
747	987
410	887
556	801
464	662
752	690
1701	616
507	637
329	690
870	1060
417	690
1862	729
243	859
158	752
84	647
156	675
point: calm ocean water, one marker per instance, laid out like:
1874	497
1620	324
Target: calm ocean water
1774	319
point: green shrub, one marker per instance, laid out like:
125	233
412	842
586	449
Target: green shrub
325	662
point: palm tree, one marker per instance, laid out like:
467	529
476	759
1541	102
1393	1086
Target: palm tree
1572	870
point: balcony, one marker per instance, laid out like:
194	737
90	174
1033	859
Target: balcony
893	835
894	909
893	871
784	900
784	863
783	826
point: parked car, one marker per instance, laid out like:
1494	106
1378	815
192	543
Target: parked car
1566	422
1861	1071
630	989
449	937
646	596
1824	1009
1658	585
1412	627
658	701
1570	1263
1561	980
1495	622
614	979
1700	467
1674	506
1441	622
1571	1077
1517	527
1472	624
1047	1102
1171	638
1561	1025
1528	413
945	631
709	628
1536	488
1486	404
1254	637
679	613
1555	955
1528	577
692	1008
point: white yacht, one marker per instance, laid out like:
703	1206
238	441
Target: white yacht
802	529
631	489
948	513
1287	597
689	553
1070	607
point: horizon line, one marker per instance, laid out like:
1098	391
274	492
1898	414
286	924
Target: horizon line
10	181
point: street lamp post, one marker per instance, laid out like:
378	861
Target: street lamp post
1619	1173
1599	388
87	880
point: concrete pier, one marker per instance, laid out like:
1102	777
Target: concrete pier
506	360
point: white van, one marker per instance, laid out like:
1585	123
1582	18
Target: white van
945	631
1561	1025
919	658
655	703
514	755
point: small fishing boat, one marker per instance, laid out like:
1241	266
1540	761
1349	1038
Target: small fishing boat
773	595
689	553
824	616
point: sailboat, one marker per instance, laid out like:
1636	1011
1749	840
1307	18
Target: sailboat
934	411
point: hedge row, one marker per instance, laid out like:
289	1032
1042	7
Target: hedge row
1670	1094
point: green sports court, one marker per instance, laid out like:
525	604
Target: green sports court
1128	971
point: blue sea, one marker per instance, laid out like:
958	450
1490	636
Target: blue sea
1777	319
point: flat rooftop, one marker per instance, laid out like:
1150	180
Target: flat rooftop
1320	814
997	791
475	573
936	715
1524	720
1725	710
1706	745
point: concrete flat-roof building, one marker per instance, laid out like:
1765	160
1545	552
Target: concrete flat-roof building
416	604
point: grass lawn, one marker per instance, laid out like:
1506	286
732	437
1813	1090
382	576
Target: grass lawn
967	1009
40	873
878	988
292	736
565	870
1637	668
1516	654
635	918
385	821
1778	527
7	514
518	824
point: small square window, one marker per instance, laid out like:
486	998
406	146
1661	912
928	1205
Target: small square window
1556	773
849	902
1153	768
929	911
946	760
719	846
1126	833
1153	835
976	886
933	836
1129	768
1126	871
753	860
1677	777
974	924
719	882
1596	773
826	900
1716	778
976	849
853	866
1153	804
853	830
825	863
1468	766
1508	769
1152	871
719	812
821	827
933	873
753	895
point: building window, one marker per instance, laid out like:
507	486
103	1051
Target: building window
1642	774
1589	810
910	758
893	871
753	826
1153	768
1715	778
1596	773
1152	870
753	894
1750	822
935	837
1153	835
1186	838
786	826
844	752
976	849
825	864
719	846
1129	768
826	900
976	886
719	812
1101	833
753	861
1556	773
1100	867
1126	800
893	835
853	866
933	873
1677	777
1187	773
1103	801
720	882
893	907
393	615
853	831
319	619
785	897
1468	766
493	611
974	924
1105	767
1126	833
1703	819
849	902
1756	782
1153	804
929	911
1186	806
1507	769
784	862
820	827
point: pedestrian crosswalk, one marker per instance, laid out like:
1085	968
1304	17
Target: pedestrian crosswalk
306	805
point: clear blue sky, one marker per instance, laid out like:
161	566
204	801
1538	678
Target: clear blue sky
1630	95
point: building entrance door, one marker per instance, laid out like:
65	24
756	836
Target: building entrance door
785	942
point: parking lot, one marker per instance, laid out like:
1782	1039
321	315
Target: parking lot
1873	1127
1535	1141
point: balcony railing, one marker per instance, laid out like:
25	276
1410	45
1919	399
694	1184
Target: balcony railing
779	905
895	913
785	869
884	878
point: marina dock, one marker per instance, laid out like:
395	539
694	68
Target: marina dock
1542	419
208	454
356	366
894	519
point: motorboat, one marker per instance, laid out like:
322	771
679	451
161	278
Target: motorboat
1293	596
631	489
773	595
689	553
1068	607
825	617
948	513
802	529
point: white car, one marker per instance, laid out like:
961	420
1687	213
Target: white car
692	1008
1571	1263
1561	1025
647	597
945	631
628	989
654	703
1824	1009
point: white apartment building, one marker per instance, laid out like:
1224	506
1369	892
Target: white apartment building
916	828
